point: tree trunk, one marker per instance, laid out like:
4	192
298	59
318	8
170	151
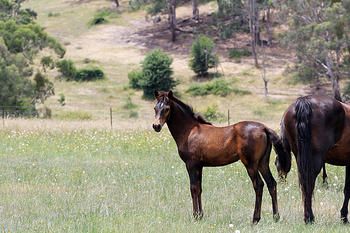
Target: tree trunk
172	18
264	78
195	11
334	79
116	3
268	25
253	29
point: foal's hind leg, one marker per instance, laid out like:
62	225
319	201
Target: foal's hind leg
258	185
344	209
272	186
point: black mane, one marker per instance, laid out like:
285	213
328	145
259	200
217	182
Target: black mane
190	111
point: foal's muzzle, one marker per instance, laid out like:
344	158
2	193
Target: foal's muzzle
157	127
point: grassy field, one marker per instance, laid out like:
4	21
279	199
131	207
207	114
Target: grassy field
134	181
73	174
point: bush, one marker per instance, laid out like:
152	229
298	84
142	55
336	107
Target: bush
202	56
89	74
70	72
62	100
67	69
103	15
98	20
129	105
100	17
47	62
156	7
218	87
134	78
239	53
212	114
135	5
156	73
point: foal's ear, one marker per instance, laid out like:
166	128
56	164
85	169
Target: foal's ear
170	94
156	93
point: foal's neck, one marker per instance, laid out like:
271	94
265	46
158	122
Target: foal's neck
180	124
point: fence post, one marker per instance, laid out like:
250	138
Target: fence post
228	116
3	117
111	117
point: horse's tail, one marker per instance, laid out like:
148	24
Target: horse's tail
303	113
283	158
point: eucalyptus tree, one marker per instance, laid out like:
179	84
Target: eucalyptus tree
319	33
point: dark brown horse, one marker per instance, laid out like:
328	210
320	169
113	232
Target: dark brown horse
317	130
201	144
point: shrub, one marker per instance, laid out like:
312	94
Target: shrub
70	72
89	74
129	105
156	7
100	17
134	78
53	14
135	5
217	87
133	114
98	20
156	73
202	56
62	100
67	69
239	53
47	62
212	114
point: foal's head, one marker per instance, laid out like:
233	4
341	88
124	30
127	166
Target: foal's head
162	109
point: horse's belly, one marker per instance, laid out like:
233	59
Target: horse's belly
219	160
339	156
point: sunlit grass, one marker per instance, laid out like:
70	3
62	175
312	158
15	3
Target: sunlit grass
134	181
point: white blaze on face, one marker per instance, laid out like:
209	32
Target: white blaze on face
158	119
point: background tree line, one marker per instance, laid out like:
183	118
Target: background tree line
318	32
24	85
21	39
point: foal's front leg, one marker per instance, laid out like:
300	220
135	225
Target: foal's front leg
195	175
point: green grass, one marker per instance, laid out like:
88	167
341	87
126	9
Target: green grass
73	115
134	181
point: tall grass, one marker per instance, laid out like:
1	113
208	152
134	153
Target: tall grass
134	181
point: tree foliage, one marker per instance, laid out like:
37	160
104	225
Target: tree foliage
21	39
319	33
202	55
156	74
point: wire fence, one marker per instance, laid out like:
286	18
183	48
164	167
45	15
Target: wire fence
17	111
11	112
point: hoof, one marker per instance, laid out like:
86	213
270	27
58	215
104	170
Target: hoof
198	216
256	221
325	183
345	220
309	220
276	217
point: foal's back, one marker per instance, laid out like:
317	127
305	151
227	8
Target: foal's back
217	146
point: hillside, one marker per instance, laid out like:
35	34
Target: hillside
121	44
